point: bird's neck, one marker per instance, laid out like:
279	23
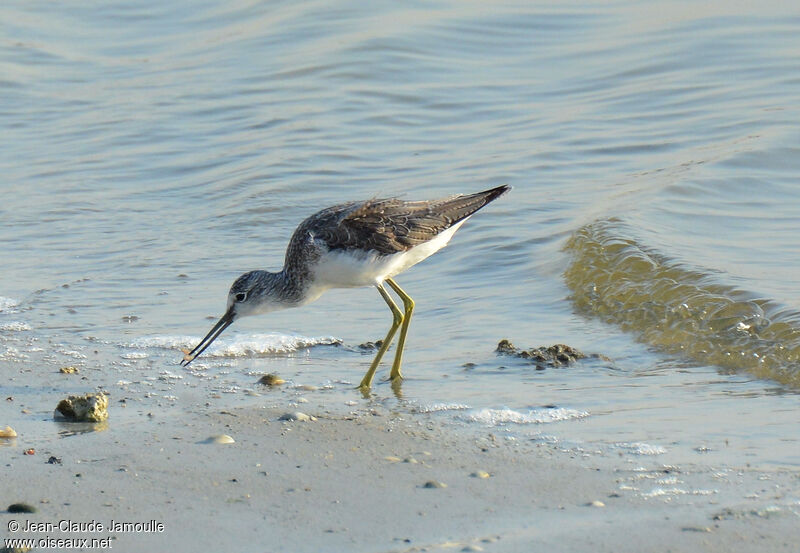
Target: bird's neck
287	286
297	284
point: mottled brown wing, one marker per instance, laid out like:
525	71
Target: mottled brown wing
392	225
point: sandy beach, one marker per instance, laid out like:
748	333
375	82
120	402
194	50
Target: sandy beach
378	481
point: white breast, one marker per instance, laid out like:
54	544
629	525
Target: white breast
348	269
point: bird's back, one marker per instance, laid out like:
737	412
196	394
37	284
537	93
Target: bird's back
380	226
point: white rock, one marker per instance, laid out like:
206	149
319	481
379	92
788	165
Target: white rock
295	416
220	439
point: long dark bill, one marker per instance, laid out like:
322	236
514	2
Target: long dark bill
224	322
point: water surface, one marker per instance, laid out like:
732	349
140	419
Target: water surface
152	153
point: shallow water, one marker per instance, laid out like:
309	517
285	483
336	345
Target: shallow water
150	154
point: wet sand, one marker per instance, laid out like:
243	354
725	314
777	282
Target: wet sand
382	481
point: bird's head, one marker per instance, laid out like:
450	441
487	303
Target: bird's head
250	294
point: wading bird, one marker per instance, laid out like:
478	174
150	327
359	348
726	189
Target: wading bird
353	244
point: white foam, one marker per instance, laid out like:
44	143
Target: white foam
167	376
436	407
496	417
7	304
239	346
135	355
639	448
665	492
73	353
163	342
15	326
12	354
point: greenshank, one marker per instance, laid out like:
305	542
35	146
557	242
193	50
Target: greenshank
349	245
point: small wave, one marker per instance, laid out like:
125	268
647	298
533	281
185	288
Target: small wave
240	346
680	309
496	417
15	326
639	448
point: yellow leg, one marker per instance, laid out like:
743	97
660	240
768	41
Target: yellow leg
408	304
366	382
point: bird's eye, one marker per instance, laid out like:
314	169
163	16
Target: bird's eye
241	296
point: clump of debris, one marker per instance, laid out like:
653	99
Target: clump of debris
557	355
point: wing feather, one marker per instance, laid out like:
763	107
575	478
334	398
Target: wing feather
388	226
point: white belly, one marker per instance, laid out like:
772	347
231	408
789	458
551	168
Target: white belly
346	269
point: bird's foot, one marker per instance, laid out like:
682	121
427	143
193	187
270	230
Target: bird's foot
397	387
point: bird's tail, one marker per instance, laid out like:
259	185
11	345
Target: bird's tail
461	207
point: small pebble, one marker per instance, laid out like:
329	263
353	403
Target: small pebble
220	439
7	432
68	370
410	460
21	508
434	484
53	460
271	379
596	503
472	548
480	474
392	459
295	416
